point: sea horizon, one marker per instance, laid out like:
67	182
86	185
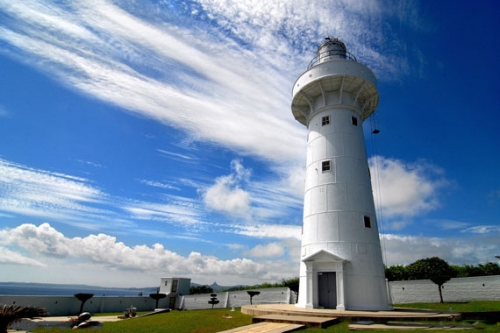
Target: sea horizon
51	289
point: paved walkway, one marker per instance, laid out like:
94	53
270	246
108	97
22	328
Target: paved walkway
61	321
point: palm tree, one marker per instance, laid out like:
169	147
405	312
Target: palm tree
10	314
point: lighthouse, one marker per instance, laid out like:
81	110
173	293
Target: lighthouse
341	263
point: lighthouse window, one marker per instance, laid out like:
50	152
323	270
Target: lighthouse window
325	121
354	121
325	166
367	222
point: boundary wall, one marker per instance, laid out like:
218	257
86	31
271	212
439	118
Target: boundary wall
456	290
70	305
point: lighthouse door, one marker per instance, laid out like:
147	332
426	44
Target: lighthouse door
327	290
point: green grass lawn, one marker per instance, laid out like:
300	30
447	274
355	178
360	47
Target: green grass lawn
211	321
476	306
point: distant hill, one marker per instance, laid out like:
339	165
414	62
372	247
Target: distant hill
217	288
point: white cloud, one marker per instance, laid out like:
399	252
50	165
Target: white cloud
10	257
227	195
403	189
268	231
483	229
447	224
121	73
106	252
3	112
154	183
249	54
399	249
268	250
46	194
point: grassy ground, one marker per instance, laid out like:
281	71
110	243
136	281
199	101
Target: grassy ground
211	321
476	306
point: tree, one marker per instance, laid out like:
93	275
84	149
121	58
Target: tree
83	297
200	290
157	296
490	268
396	273
435	269
213	300
10	314
252	293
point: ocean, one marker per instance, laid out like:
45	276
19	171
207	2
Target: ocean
46	289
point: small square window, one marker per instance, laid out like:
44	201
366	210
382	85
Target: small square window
368	223
325	166
354	121
325	121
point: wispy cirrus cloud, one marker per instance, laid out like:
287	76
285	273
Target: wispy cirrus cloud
158	184
153	85
67	199
3	112
154	69
40	193
483	229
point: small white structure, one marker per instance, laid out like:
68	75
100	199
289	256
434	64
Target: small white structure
341	259
174	288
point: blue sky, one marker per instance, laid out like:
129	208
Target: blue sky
147	139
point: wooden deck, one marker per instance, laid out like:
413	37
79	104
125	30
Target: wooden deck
308	321
266	327
398	314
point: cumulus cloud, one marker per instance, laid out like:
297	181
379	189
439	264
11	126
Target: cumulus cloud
10	257
405	189
105	251
227	195
401	249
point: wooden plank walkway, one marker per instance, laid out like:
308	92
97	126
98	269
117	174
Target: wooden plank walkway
266	327
396	314
308	321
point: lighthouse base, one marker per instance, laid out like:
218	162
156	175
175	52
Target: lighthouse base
326	283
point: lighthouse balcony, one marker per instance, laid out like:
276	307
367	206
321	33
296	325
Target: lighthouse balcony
331	55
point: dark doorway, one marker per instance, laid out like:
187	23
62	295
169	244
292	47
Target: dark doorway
171	303
327	290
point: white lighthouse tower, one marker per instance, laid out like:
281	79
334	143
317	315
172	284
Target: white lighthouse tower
341	259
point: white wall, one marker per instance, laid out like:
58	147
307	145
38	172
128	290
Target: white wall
239	298
69	305
455	290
